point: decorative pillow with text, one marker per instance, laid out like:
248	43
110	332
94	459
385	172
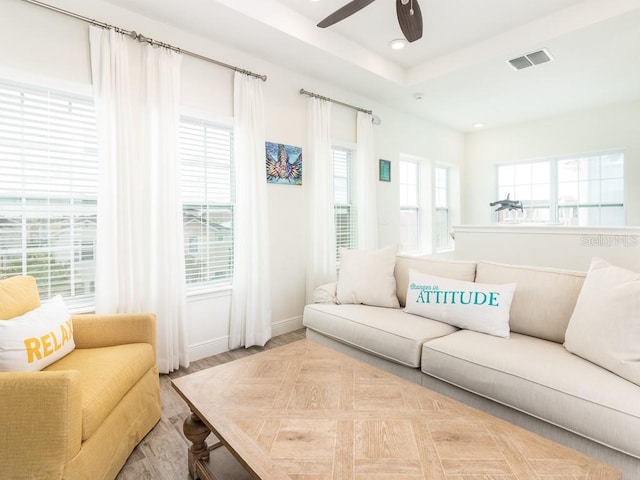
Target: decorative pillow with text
473	306
38	338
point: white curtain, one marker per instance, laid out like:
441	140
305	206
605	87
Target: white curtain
140	249
366	184
321	236
250	322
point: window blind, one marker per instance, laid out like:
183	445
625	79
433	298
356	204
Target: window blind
441	222
409	207
48	190
344	210
208	202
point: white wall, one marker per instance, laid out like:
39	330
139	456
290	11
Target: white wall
50	49
549	246
607	128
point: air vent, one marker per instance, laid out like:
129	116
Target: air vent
531	59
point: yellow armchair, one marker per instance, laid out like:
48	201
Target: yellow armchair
82	416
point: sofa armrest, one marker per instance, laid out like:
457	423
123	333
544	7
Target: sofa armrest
40	423
94	331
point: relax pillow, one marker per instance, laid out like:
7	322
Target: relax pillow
36	339
605	325
474	306
366	276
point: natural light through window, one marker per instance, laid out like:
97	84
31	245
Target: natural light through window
344	210
409	207
585	190
208	202
48	190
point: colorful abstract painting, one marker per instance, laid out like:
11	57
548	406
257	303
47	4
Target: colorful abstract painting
284	164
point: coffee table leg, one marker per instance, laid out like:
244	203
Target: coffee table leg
196	432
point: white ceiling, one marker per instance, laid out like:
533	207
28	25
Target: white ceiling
459	66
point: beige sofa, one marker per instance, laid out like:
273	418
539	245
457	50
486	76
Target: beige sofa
529	378
80	417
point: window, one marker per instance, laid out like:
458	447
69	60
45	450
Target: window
530	183
344	210
442	220
208	201
578	190
409	207
48	190
591	190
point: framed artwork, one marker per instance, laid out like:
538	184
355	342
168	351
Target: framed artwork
284	164
385	170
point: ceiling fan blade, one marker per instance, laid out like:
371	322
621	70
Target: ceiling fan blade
344	12
410	24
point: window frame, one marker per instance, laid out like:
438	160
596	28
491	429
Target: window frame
352	234
61	135
439	247
554	203
209	284
414	208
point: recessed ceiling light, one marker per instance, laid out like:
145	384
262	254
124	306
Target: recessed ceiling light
397	44
478	125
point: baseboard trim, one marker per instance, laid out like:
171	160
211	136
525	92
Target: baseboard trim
221	345
286	326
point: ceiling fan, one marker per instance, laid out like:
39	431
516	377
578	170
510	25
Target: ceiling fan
408	12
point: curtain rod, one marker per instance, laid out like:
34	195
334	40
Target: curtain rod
143	39
315	95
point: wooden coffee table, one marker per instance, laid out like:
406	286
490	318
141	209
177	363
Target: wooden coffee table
304	411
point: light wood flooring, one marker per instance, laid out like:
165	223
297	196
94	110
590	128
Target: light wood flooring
162	454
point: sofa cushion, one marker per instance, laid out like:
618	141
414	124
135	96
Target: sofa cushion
605	325
386	332
106	375
458	270
544	300
38	338
471	305
366	277
18	295
542	379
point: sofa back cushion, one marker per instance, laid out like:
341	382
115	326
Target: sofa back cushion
544	298
18	295
455	269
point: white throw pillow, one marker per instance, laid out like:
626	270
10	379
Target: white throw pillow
474	306
605	325
366	276
36	339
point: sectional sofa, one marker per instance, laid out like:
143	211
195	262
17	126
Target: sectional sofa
528	377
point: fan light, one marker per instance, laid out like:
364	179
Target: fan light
397	44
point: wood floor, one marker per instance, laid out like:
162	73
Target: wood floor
162	454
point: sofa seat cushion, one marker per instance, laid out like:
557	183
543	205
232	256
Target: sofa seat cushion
542	379
386	332
106	375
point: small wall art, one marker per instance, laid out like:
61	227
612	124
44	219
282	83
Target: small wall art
385	170
284	164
